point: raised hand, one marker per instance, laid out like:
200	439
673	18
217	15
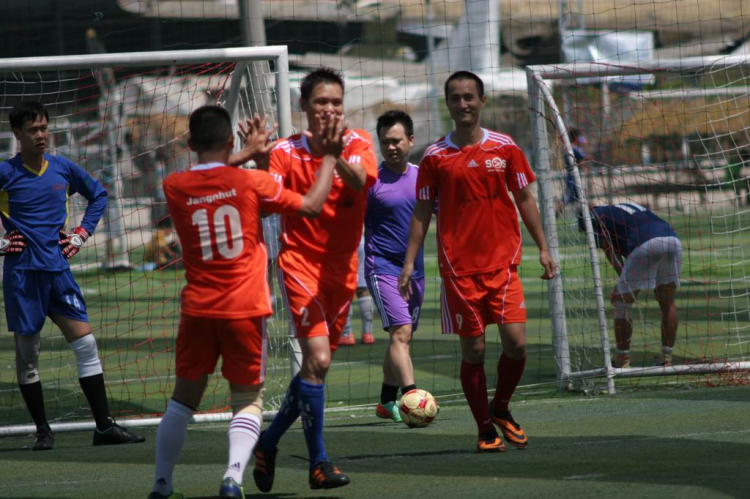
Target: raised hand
256	139
328	137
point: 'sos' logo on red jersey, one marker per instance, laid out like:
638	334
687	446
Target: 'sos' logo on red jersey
495	164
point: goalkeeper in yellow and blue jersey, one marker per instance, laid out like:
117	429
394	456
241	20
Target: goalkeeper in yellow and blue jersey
37	281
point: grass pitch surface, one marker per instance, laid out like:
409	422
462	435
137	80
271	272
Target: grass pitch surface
686	443
659	437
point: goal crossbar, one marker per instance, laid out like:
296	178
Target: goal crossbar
278	54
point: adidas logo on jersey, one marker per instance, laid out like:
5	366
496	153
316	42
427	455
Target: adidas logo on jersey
472	164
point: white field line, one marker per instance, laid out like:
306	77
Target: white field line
74	383
37	483
661	437
589	476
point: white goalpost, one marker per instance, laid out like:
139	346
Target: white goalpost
123	118
677	141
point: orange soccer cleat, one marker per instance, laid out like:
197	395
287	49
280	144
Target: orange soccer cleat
512	431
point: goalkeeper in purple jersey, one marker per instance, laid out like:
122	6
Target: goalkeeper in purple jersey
390	204
37	282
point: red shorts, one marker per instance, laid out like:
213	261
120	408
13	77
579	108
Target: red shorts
241	343
469	303
318	293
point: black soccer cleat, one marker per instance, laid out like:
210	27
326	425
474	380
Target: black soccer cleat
265	466
116	435
43	439
326	476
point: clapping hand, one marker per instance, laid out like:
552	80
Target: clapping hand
255	135
328	138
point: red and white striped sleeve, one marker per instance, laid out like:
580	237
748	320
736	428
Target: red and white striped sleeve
518	173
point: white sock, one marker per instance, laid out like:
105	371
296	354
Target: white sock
169	440
243	435
348	326
365	312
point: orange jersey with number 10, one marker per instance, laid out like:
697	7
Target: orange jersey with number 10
216	212
337	230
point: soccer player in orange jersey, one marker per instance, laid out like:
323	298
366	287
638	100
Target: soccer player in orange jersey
317	267
476	175
216	213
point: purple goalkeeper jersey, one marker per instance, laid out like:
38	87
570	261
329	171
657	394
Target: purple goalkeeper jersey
390	204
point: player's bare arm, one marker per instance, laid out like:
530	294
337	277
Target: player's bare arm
420	223
257	144
530	216
329	142
353	174
612	257
313	201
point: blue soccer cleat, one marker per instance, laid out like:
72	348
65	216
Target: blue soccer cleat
230	488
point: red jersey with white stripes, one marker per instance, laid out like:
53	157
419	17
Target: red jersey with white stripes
216	213
478	228
337	230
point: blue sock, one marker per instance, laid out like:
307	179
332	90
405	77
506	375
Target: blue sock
287	415
312	397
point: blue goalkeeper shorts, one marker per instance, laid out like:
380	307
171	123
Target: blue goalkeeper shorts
31	295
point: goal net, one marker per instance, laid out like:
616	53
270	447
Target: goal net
124	119
672	136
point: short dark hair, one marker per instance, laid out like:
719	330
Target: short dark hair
465	75
316	77
595	220
573	134
394	116
210	128
27	110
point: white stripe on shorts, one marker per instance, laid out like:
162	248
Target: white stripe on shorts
375	289
445	314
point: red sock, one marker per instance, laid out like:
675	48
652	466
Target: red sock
474	383
509	372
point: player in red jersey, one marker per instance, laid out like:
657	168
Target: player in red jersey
317	267
471	172
216	213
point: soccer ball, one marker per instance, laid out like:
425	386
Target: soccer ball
418	408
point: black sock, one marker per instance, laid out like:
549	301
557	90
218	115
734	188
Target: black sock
388	393
34	398
407	389
96	394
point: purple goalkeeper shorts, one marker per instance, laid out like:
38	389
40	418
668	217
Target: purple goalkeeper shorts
394	310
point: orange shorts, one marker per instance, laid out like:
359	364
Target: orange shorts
241	343
318	293
469	303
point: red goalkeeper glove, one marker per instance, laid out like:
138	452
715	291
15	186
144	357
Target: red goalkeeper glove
12	242
70	244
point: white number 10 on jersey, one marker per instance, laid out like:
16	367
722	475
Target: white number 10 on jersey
226	219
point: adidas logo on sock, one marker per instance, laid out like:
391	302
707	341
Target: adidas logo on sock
161	481
235	466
